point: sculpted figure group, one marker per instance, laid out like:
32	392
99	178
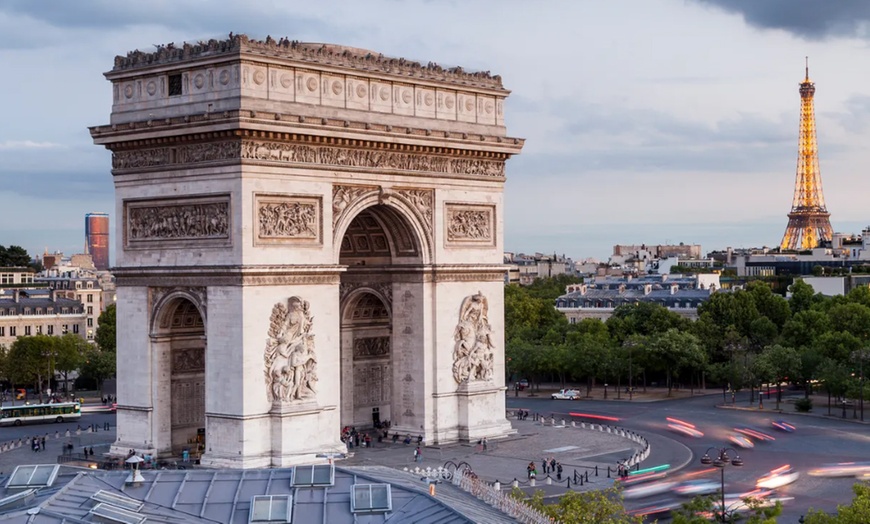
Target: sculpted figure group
291	364
473	355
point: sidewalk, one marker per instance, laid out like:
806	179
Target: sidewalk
820	408
15	453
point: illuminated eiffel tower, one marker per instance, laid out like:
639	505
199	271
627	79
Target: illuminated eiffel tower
808	222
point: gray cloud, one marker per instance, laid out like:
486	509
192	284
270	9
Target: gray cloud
199	21
810	19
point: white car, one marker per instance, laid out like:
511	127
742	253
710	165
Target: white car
566	394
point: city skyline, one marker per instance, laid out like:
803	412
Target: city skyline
677	124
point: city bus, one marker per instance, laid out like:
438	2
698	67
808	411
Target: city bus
57	412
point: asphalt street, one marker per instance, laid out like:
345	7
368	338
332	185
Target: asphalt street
816	442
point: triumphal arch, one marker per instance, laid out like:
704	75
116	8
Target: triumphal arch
309	237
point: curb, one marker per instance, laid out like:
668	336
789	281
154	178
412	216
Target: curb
798	413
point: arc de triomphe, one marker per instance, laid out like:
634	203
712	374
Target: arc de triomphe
309	237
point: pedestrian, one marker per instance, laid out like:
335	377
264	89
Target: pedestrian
484	444
355	438
42	443
558	471
552	464
529	469
418	455
544	466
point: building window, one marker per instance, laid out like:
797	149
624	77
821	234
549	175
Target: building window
90	285
64	329
50	330
2	331
175	85
90	298
76	329
78	285
26	331
90	322
50	310
90	334
38	330
39	311
27	311
64	311
90	310
12	331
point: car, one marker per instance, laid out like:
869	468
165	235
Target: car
783	426
691	488
523	383
741	440
566	394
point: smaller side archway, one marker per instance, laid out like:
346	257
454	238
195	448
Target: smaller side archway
366	359
178	343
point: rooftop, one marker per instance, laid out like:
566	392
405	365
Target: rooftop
324	54
227	496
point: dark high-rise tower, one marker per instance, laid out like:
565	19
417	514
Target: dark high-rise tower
809	221
97	238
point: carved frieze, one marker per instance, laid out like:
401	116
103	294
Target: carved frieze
293	153
287	219
473	351
469	225
179	221
371	347
290	361
188	360
383	289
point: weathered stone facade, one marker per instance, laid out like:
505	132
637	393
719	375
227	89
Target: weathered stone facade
303	226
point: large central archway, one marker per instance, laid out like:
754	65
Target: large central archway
381	250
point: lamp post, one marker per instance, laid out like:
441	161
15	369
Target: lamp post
605	391
722	459
630	345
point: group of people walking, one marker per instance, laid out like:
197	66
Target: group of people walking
548	466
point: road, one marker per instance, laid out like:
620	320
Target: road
817	441
8	433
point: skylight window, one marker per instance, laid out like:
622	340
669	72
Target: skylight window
110	514
271	509
20	498
40	476
318	475
370	498
117	500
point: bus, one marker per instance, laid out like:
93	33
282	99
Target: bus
58	412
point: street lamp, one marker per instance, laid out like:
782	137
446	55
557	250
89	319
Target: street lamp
630	344
605	391
722	459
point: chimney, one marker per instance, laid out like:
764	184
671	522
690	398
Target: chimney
17	295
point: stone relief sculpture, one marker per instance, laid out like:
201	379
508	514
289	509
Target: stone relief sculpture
371	347
422	200
178	221
469	224
291	364
287	220
344	196
473	356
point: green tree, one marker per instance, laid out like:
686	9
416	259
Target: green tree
802	296
591	507
674	350
14	256
769	304
858	512
69	354
105	336
778	364
30	359
98	365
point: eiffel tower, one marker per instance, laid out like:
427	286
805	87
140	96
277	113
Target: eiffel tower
808	222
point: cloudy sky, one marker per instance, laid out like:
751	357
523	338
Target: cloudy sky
647	121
